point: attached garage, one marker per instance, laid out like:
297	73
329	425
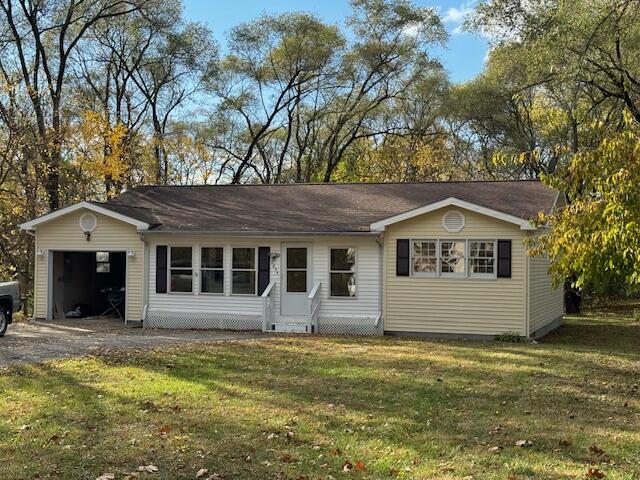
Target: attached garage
87	255
88	283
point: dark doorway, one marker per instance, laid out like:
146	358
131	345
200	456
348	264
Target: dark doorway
81	281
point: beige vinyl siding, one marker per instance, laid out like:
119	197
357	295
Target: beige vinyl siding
65	234
455	305
545	302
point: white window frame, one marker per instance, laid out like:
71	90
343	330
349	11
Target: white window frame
254	269
467	273
355	272
464	259
411	257
211	269
170	269
495	258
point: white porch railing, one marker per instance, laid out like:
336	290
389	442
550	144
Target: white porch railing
314	307
268	307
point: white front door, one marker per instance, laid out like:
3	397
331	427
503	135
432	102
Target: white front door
296	279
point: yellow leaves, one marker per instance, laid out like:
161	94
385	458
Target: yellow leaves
100	146
594	239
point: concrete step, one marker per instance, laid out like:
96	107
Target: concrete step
290	327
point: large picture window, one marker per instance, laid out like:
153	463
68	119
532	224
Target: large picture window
243	271
482	257
424	257
212	270
181	275
343	272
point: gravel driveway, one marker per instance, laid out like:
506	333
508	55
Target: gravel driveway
34	341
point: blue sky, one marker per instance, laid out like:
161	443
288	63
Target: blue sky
463	56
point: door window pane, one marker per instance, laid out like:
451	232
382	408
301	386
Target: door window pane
297	258
296	281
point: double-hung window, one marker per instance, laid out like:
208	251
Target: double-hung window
342	272
482	255
243	271
452	257
424	258
181	269
212	270
103	264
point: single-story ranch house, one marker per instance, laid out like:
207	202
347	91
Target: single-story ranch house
440	259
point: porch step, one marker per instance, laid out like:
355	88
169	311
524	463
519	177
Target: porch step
290	327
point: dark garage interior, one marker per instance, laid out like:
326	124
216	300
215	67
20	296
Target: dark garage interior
88	284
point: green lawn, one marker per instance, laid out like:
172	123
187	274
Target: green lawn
311	408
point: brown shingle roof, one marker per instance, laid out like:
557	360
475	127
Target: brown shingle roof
309	208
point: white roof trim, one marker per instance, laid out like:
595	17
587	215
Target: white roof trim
33	224
380	226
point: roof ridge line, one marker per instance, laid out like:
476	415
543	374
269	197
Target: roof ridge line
302	184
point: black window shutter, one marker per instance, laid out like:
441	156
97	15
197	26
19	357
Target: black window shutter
504	258
264	254
161	269
402	257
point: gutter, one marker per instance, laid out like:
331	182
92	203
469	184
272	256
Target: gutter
243	233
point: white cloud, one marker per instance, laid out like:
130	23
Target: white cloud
456	15
411	30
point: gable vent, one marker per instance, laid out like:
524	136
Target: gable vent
88	222
453	221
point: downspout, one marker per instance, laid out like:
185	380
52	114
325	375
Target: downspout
526	291
380	242
145	278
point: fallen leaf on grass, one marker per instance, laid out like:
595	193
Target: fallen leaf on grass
148	468
495	449
106	476
524	443
596	450
564	443
164	429
595	473
359	466
335	452
202	472
347	466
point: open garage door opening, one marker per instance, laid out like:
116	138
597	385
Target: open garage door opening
88	284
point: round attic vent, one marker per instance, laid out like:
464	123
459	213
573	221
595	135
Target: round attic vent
88	222
453	221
